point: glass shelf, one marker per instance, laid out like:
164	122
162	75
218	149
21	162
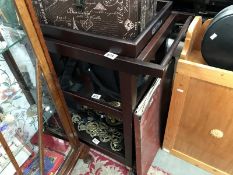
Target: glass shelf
8	15
18	103
9	37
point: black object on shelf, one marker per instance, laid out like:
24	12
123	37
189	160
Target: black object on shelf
86	79
94	126
217	45
91	126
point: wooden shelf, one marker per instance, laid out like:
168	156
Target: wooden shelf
119	156
87	139
85	99
102	106
102	147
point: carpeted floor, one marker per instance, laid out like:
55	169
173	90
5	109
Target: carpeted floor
103	165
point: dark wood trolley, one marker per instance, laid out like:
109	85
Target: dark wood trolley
148	62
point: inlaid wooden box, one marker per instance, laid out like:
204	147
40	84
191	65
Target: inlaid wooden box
126	38
200	123
122	19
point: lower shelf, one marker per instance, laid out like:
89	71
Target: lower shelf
104	148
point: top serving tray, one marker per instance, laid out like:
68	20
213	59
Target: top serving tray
129	48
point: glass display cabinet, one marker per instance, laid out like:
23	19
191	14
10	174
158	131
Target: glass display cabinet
30	96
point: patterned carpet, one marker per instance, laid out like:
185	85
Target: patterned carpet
103	165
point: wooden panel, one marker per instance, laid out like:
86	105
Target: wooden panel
206	73
194	38
207	107
147	131
175	111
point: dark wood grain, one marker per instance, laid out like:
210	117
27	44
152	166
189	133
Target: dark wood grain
150	50
97	57
147	133
130	67
129	98
139	66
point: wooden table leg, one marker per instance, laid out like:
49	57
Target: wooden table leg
87	158
128	99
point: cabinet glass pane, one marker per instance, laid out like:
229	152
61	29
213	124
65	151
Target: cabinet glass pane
8	14
17	122
9	37
11	31
18	102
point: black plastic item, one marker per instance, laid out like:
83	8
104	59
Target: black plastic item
217	44
66	80
107	81
206	8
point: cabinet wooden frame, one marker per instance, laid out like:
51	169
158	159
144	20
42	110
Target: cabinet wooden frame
10	154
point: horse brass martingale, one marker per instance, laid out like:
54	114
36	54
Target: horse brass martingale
97	125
